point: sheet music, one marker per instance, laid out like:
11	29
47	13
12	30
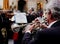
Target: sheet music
20	17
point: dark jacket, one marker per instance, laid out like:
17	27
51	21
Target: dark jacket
30	17
46	36
4	23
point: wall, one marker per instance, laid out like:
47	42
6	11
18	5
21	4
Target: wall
32	4
10	3
1	3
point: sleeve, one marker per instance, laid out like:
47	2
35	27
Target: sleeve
27	39
12	19
37	39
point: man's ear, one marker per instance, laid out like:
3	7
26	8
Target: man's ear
50	13
50	16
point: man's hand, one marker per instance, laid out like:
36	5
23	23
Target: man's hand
29	28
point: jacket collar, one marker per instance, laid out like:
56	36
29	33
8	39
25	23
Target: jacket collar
51	24
56	24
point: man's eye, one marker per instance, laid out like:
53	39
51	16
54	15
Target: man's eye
45	13
42	16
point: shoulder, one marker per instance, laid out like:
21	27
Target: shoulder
54	30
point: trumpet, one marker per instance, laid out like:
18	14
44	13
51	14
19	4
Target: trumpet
37	25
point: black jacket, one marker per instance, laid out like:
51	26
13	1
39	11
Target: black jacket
46	36
4	23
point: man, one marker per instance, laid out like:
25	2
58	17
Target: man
52	33
15	19
31	15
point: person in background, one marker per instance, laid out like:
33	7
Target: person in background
17	37
31	15
1	37
40	10
4	27
51	34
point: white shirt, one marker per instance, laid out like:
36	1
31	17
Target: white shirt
51	24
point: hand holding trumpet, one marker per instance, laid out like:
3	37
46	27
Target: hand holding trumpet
34	25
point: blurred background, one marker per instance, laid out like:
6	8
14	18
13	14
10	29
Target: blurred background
11	28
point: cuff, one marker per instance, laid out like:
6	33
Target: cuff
27	32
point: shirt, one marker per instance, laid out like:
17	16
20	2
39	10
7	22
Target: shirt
51	24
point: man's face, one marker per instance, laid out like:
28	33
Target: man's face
30	11
46	16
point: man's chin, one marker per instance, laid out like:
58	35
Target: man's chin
47	22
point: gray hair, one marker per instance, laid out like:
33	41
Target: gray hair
53	6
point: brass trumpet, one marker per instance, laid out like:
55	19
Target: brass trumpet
37	25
